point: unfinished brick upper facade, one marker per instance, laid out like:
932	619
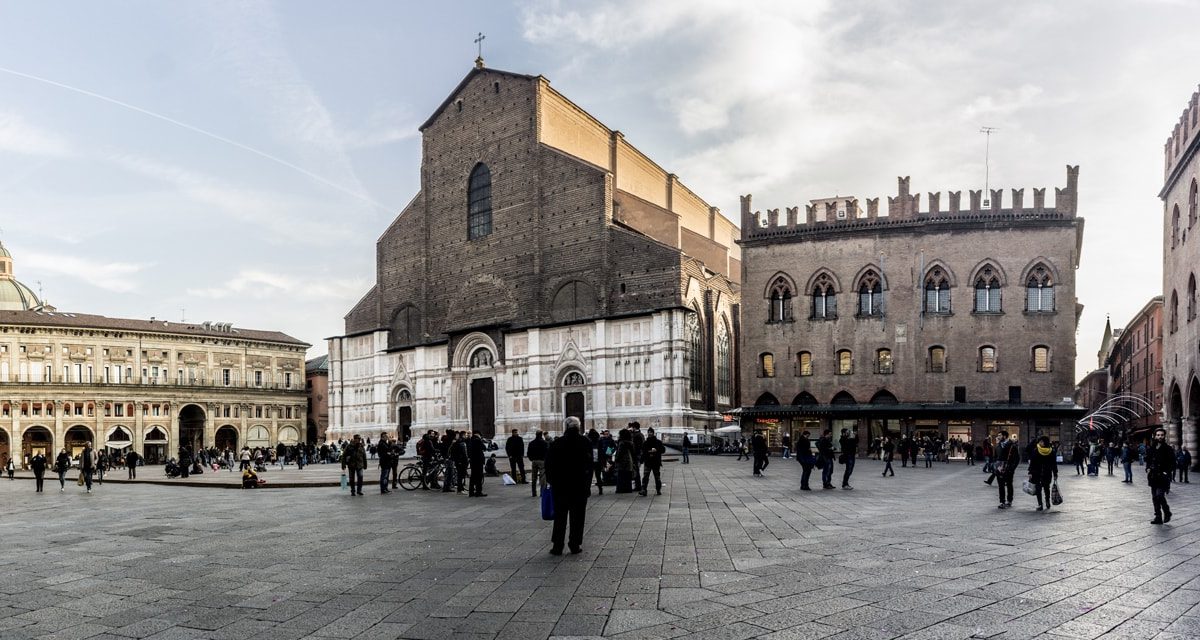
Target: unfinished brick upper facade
582	231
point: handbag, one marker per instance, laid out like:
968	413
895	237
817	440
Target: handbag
79	480
1055	495
821	462
547	503
999	468
1029	487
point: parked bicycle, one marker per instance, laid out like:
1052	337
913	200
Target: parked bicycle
415	476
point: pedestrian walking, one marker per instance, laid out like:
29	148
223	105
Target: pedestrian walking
1043	470
101	466
804	454
515	448
849	444
475	455
928	446
889	450
825	459
10	468
652	453
131	463
786	443
687	444
758	447
1008	456
1127	461
606	448
639	440
354	461
87	464
1182	462
569	467
1078	454
1160	463
537	462
38	464
623	461
61	464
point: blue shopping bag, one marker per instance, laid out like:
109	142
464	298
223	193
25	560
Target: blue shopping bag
547	504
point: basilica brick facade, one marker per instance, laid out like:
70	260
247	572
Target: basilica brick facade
546	268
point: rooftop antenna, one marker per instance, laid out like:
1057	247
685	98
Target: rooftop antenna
479	41
987	150
40	295
183	315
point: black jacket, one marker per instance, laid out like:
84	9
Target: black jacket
1160	465
825	447
537	449
1043	468
803	447
515	447
475	453
1010	454
569	467
652	452
758	444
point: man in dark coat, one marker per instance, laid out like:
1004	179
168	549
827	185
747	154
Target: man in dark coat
849	444
569	470
475	455
635	429
38	464
758	444
825	453
515	448
131	463
384	450
652	453
537	461
1160	467
805	455
605	447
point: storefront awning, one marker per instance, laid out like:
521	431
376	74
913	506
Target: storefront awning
917	410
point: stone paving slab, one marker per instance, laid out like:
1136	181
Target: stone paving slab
720	554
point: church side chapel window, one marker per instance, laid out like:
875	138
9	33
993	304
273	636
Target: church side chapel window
724	365
870	295
1039	291
987	292
937	292
824	302
481	358
1175	226
781	301
479	203
695	355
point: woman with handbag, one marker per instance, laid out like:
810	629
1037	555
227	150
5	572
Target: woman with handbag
1043	470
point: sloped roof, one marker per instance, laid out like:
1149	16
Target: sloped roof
319	364
88	321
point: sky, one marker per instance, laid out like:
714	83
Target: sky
235	161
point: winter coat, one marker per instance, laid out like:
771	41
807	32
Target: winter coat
515	447
569	466
538	447
475	450
1043	469
652	452
623	458
1160	465
354	457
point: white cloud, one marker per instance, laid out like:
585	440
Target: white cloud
264	284
119	277
19	136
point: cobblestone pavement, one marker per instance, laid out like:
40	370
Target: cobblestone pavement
720	555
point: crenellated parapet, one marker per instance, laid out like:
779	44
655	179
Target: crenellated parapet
905	208
1183	138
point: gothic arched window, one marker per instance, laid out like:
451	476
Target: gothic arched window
781	301
479	202
1175	226
1193	197
1039	290
724	364
1191	298
937	292
1174	317
870	295
695	355
824	300
987	291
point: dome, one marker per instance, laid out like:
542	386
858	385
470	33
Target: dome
15	296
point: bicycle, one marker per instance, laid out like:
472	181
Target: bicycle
415	476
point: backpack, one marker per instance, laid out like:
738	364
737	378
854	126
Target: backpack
423	447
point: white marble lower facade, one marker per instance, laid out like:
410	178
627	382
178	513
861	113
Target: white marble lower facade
612	371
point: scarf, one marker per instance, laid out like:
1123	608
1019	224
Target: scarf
1045	451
